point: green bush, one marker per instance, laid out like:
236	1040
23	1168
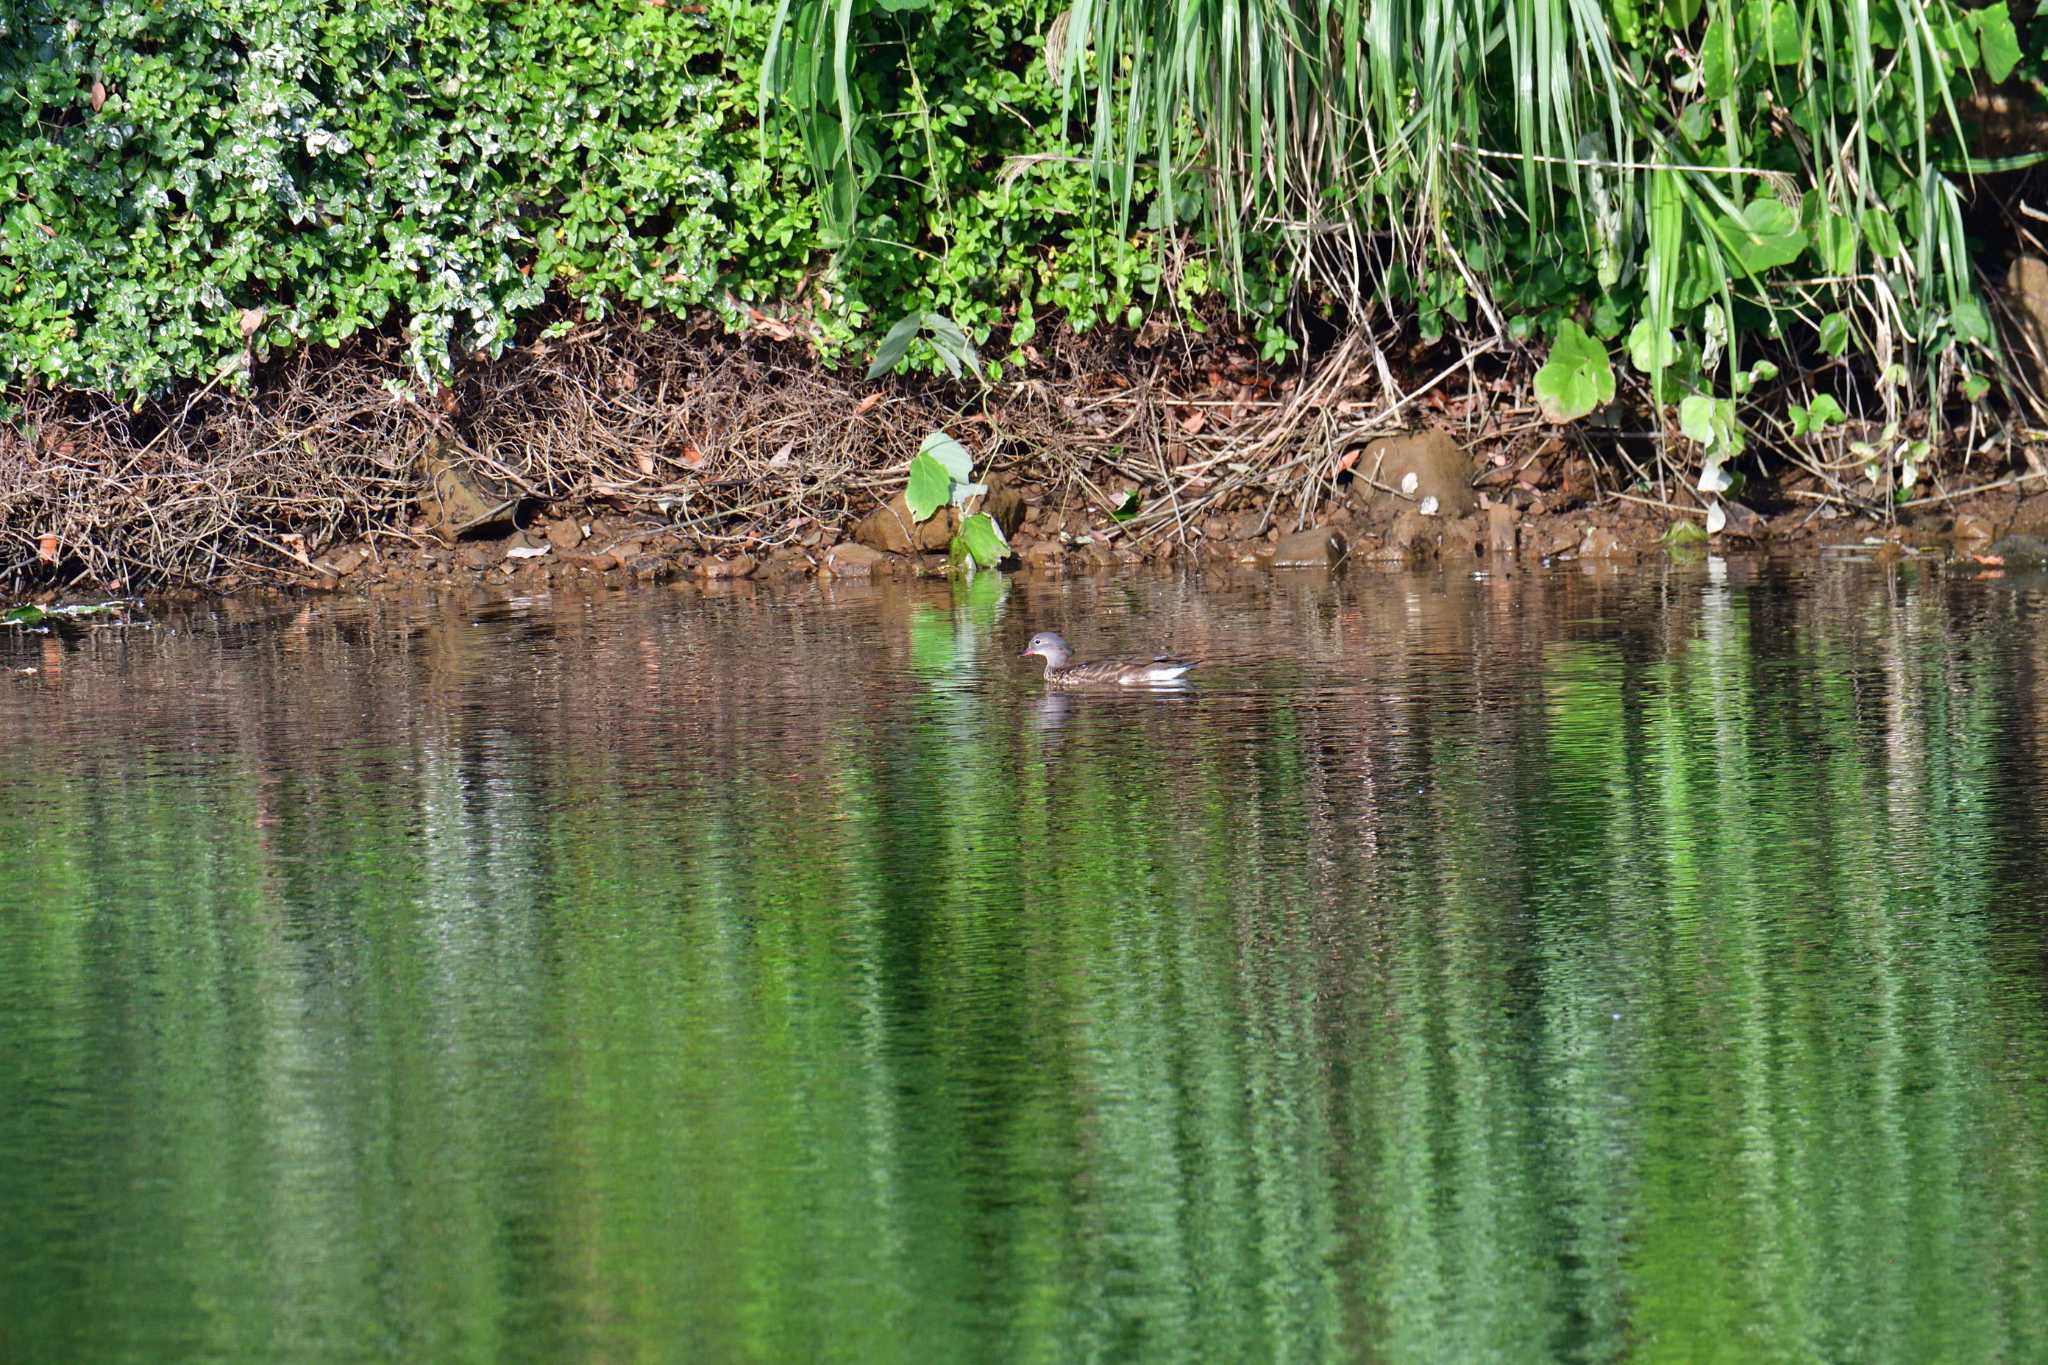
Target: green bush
174	172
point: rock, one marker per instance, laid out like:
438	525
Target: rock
344	561
653	568
479	554
1441	468
1600	542
1248	524
1041	554
1100	555
1742	522
1412	536
459	498
2026	290
565	535
1579	480
849	560
739	566
889	527
1970	532
619	556
1559	540
1465	538
1503	528
1319	547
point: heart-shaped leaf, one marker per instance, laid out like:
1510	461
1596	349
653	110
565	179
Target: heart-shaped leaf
984	540
1576	378
930	487
1765	235
951	455
2001	43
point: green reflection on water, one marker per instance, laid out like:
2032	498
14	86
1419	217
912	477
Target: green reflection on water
1661	988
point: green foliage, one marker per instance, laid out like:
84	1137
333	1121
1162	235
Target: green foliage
1577	378
942	472
187	185
1695	177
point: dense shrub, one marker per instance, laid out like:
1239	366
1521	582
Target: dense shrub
177	173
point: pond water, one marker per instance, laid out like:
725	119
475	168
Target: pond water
1598	967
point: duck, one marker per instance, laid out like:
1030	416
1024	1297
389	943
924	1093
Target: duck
1162	670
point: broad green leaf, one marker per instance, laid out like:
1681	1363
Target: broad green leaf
1784	34
984	540
1975	387
1696	417
1577	377
1766	235
930	487
1651	347
1717	61
2001	44
1834	242
1880	233
894	343
1834	333
24	616
1823	413
951	455
1970	322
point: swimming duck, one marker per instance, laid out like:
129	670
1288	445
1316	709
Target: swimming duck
1160	671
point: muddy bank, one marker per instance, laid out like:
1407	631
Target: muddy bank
621	453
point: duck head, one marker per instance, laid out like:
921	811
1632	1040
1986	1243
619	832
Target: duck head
1048	646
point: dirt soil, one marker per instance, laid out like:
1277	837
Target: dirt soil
620	454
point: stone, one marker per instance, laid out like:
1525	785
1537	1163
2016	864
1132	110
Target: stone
2026	290
1600	542
739	566
1559	540
460	499
342	562
1579	479
1412	536
1319	547
889	527
1041	554
1503	529
1465	538
1742	522
1441	468
1970	532
564	534
851	560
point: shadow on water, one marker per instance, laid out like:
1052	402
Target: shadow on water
1570	967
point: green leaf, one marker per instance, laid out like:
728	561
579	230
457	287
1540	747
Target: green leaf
1824	413
984	540
24	616
1717	61
1650	347
1970	322
950	454
1696	417
1783	41
1765	235
890	353
930	487
2001	44
1126	507
1834	333
1834	242
1975	387
1576	378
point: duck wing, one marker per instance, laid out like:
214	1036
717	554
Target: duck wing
1124	672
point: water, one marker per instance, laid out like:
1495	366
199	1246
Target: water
1580	967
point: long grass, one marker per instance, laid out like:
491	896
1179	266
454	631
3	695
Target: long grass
1386	149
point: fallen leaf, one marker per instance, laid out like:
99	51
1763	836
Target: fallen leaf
1193	422
646	463
693	457
1348	459
526	552
867	404
252	318
46	548
781	457
99	96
